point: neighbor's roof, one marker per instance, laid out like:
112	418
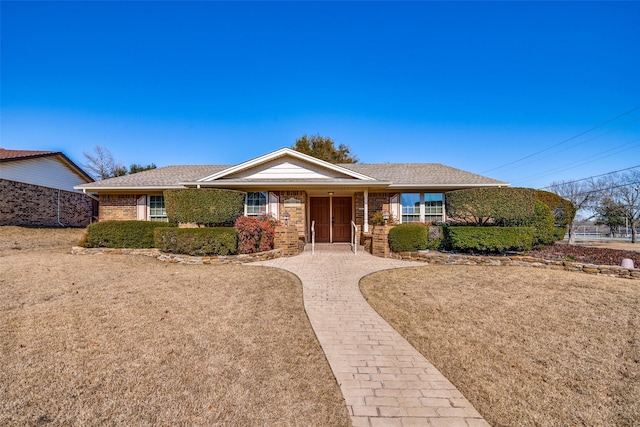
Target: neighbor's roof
21	155
9	155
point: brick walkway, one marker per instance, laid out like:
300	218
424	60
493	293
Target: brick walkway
384	380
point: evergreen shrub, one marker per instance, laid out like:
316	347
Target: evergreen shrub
414	237
491	206
544	225
408	238
123	234
211	207
488	239
197	241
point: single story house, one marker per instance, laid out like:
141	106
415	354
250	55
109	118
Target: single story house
37	189
304	189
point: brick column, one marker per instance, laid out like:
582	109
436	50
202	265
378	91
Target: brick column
380	240
286	238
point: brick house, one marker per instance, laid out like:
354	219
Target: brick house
37	189
306	190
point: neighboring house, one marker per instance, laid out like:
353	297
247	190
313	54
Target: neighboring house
304	189
37	189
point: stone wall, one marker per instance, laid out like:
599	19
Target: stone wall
118	207
34	205
287	239
181	259
380	241
523	261
294	202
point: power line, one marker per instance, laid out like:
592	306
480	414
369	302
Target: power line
566	140
595	176
596	157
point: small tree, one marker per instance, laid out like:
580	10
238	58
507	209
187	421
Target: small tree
135	168
624	189
610	213
101	165
324	148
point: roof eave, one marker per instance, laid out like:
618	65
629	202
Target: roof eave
450	186
285	183
94	189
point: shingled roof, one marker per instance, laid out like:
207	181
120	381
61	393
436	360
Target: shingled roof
9	155
424	174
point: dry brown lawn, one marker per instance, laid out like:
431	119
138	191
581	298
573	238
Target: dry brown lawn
126	340
528	347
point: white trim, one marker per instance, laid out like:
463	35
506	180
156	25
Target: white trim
142	213
284	152
273	205
365	227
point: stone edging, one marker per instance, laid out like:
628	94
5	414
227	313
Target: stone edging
523	261
182	259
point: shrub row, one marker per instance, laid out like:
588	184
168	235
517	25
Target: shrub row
197	241
122	234
414	237
488	239
491	206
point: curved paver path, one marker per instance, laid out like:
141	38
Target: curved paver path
384	380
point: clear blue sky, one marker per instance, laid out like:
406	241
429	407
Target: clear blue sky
476	85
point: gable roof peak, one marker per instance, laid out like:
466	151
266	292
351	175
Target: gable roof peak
284	152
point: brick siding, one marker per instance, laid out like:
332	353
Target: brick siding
118	207
34	205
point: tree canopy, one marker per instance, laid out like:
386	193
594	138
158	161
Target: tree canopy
101	165
324	148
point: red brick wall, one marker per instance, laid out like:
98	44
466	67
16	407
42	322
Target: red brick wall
33	205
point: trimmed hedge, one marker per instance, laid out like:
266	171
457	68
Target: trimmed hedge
544	225
212	207
408	238
488	239
123	234
562	209
491	206
414	237
197	241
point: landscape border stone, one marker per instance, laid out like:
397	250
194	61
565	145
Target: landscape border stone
440	258
181	259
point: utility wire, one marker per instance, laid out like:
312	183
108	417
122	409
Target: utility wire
566	140
595	176
586	160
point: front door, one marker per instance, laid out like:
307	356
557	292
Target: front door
331	216
320	216
342	219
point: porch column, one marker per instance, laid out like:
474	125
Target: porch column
365	227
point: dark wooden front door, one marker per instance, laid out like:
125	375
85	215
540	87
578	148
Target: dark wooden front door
338	218
320	214
342	219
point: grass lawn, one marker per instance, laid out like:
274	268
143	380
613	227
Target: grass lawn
527	346
126	340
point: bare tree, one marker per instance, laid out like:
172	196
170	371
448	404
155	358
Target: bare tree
583	195
624	189
101	165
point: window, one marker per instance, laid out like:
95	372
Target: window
410	207
421	207
433	207
157	211
256	203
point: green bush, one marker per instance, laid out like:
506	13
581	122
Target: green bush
562	209
414	237
488	239
212	207
122	234
197	241
408	238
491	206
544	225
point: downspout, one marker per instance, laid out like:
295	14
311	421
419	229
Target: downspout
60	223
